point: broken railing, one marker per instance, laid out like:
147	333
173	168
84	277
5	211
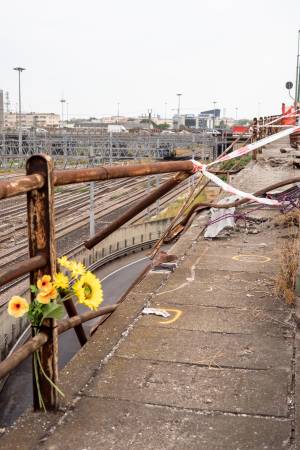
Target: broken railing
267	125
39	184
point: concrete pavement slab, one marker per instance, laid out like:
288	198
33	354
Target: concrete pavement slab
259	392
222	288
148	427
240	259
210	349
223	320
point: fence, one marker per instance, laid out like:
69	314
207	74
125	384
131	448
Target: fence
265	126
77	148
39	185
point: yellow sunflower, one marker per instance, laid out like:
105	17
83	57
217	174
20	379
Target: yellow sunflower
77	269
17	306
64	262
61	281
88	290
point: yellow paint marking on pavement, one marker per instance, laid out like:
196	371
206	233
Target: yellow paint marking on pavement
252	258
177	312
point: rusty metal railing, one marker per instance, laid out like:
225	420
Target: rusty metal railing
39	185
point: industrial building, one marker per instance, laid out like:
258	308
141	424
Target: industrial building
203	120
30	120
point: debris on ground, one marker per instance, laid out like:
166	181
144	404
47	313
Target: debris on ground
155	312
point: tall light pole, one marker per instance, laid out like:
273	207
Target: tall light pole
236	112
297	85
166	105
118	112
178	110
20	69
215	104
62	101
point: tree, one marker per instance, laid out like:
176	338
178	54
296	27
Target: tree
163	126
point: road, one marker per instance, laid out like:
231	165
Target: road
116	278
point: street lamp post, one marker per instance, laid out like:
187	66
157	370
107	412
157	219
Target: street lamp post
178	111
297	86
19	70
118	112
214	121
62	101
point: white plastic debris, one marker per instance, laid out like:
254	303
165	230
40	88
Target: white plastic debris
214	229
156	312
217	226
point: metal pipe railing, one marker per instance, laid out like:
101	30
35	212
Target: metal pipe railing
139	206
22	267
62	177
39	186
21	185
36	342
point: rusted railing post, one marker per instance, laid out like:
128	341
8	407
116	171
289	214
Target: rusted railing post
254	137
41	234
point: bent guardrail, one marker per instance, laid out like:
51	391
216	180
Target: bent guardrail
39	185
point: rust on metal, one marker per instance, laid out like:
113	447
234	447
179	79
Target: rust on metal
74	321
36	342
62	177
41	226
295	140
139	206
72	312
22	267
21	185
18	356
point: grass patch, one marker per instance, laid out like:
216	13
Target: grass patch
242	162
285	282
172	209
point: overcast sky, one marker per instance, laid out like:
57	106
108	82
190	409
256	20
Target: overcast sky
141	53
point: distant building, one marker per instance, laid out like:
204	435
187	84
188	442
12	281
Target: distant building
194	121
116	129
31	120
1	110
212	112
160	121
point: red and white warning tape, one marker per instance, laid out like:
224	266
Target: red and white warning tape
235	154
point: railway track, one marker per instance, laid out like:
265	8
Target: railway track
74	202
68	224
65	205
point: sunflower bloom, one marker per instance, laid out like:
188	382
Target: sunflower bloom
44	283
17	306
88	290
64	262
61	281
77	269
46	297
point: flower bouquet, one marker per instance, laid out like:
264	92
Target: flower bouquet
74	280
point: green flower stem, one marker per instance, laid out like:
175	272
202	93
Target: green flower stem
49	379
36	375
